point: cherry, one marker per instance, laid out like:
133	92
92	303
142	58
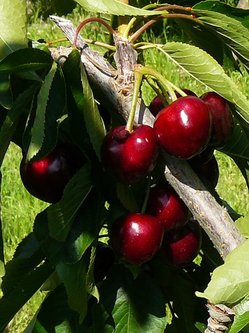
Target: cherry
130	156
156	105
136	237
47	177
208	171
183	127
181	246
165	204
104	260
221	118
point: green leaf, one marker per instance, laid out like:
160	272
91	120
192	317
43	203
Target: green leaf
86	227
94	123
26	60
185	304
13	27
230	30
22	291
241	318
50	106
71	70
115	7
238	143
74	279
61	215
6	97
229	283
133	310
242	224
20	106
55	303
27	256
205	69
127	197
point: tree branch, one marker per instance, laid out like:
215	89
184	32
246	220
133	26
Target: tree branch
114	86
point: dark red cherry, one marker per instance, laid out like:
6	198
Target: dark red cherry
130	156
47	177
207	171
165	204
221	118
136	237
156	105
183	127
181	246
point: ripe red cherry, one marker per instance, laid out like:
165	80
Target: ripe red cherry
183	127
181	246
136	237
46	178
130	156
165	204
221	118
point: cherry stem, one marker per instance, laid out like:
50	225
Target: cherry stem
138	76
136	34
101	44
92	19
134	19
158	91
58	40
166	86
128	27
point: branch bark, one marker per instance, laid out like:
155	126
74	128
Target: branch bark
115	88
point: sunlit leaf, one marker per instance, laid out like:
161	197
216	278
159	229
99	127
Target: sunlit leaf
13	26
242	224
115	7
229	283
229	29
205	69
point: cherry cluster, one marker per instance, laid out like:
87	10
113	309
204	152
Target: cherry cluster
189	128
